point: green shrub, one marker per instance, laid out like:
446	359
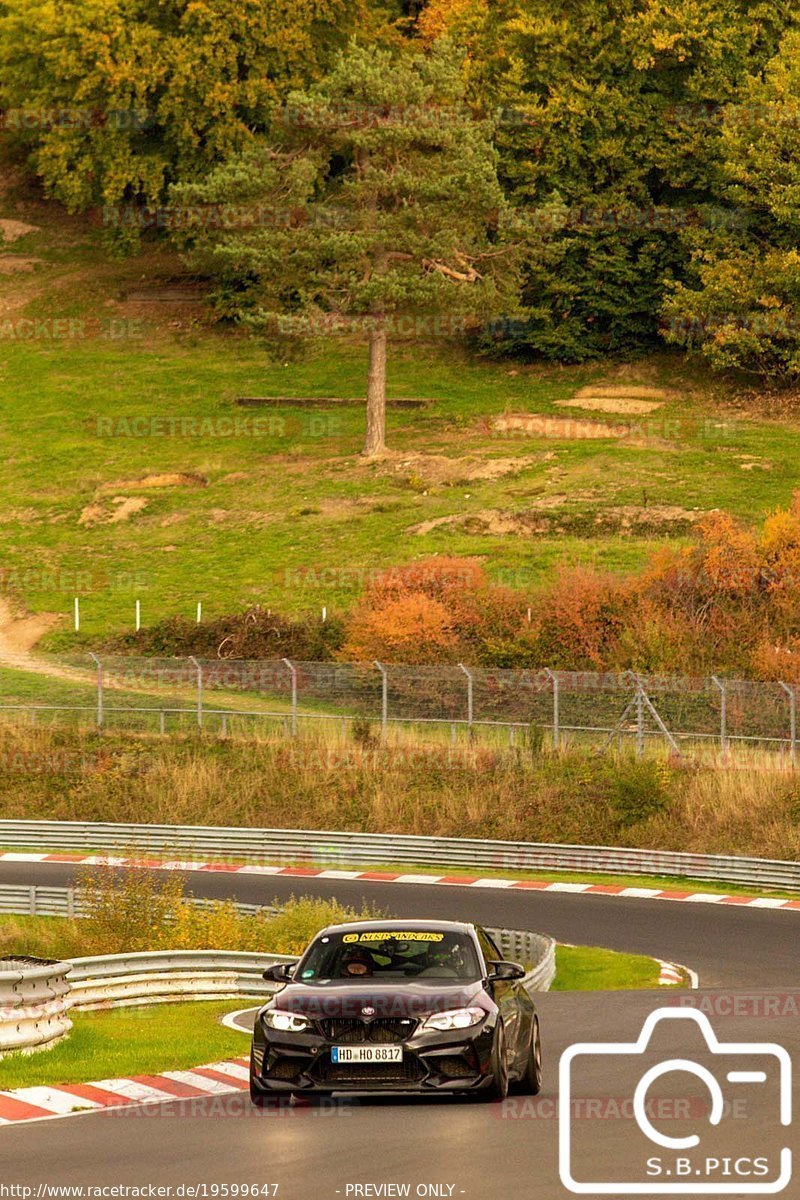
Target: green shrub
361	729
534	740
256	633
638	790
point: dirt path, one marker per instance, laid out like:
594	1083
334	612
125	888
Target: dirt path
18	636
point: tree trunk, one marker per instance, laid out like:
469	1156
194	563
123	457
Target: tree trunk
375	443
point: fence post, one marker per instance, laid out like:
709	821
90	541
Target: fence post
384	697
293	670
469	694
70	903
723	714
99	689
790	692
32	901
639	721
199	670
556	707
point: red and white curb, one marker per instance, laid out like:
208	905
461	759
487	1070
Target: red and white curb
539	885
72	1099
676	975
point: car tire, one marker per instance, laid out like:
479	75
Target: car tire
531	1082
498	1088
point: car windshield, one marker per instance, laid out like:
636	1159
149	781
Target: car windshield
389	954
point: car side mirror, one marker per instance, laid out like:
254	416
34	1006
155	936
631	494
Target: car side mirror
499	969
279	972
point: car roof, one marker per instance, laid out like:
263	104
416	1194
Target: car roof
399	926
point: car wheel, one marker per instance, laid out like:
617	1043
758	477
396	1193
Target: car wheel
498	1089
531	1082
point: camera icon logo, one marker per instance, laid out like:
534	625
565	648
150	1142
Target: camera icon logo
655	1162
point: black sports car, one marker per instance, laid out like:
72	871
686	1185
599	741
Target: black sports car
420	1006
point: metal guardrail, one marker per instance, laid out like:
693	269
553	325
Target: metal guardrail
534	950
336	848
37	901
161	975
34	999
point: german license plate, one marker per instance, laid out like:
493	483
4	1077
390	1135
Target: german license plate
366	1054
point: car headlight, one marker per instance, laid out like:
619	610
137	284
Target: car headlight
287	1022
454	1018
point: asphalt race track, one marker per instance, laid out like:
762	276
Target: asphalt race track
728	947
356	1147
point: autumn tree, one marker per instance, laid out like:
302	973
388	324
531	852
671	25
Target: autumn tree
114	100
390	183
610	142
741	309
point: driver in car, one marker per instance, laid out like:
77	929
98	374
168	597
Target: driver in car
446	963
356	964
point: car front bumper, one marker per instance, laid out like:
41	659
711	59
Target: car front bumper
458	1060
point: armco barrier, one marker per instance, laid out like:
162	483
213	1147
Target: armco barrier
152	976
37	901
534	950
34	998
341	848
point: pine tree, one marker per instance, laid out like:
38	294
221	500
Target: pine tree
396	212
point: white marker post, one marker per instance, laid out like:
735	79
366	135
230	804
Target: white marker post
77	615
199	611
138	615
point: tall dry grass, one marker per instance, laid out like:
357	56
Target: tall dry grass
527	794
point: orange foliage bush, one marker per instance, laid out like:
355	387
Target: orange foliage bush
580	618
438	610
777	661
411	628
728	603
780	550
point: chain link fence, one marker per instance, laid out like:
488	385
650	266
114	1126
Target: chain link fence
239	697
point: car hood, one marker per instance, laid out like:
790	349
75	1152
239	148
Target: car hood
412	998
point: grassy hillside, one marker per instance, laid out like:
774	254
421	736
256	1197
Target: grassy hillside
283	512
